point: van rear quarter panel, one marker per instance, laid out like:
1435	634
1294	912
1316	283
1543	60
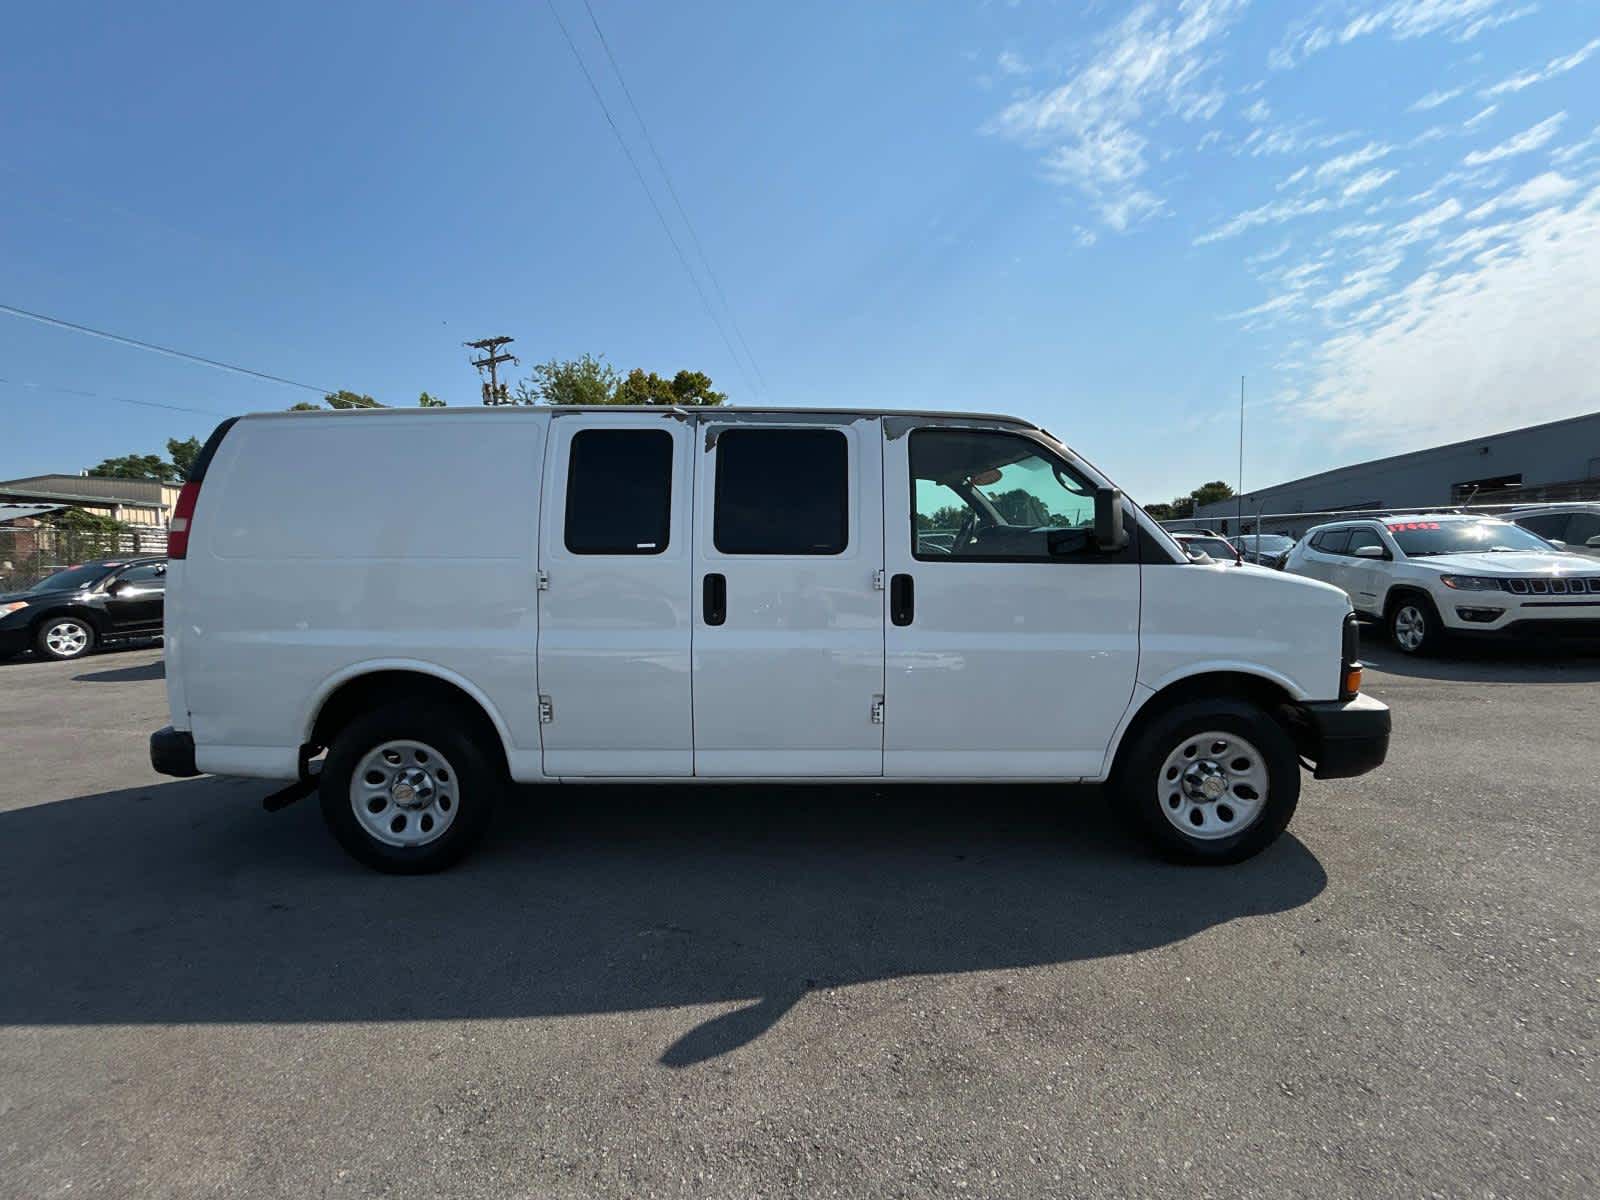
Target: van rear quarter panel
321	544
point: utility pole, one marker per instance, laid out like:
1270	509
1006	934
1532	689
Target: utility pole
494	392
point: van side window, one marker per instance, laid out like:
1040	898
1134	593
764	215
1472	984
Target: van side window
995	497
619	491
782	491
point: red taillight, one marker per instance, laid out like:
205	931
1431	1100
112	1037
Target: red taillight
182	516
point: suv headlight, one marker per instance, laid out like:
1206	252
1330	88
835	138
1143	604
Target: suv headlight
7	609
1471	583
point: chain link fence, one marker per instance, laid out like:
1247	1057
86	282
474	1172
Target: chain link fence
30	552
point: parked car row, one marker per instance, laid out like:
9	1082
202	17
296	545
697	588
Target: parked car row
69	613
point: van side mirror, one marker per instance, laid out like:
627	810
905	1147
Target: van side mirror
1108	532
1371	552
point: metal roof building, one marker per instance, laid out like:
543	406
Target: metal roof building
1559	460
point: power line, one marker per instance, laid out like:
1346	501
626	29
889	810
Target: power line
672	191
167	350
649	195
45	387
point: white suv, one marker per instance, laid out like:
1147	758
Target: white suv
1432	574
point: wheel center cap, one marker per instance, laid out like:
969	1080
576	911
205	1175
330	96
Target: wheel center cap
414	789
1213	786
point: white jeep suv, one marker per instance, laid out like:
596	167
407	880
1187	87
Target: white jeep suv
1429	575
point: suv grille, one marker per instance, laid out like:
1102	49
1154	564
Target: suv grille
1554	586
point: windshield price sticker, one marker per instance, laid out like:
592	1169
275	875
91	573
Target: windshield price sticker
1402	526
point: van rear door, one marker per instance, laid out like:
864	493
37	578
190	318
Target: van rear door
614	614
788	632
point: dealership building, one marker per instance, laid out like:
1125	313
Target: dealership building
1559	460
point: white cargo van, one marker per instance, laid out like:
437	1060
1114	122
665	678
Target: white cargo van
446	600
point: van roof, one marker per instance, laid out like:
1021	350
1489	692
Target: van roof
663	409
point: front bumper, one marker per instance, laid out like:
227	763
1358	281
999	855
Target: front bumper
1343	737
172	752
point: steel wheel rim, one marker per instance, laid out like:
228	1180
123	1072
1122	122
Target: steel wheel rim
1213	785
1410	627
67	638
404	793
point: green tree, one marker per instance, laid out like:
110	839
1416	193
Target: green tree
305	406
343	399
137	466
592	380
688	388
586	380
1210	493
1159	512
427	401
183	454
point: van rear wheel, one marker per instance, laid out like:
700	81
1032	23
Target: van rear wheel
408	788
1210	781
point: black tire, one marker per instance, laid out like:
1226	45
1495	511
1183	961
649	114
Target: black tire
474	785
1401	620
1142	784
64	638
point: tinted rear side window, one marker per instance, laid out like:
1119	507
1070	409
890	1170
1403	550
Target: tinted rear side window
782	491
619	491
1332	542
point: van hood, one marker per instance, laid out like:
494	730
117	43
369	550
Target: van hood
1506	563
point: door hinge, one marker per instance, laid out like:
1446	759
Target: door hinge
877	710
544	582
547	710
877	581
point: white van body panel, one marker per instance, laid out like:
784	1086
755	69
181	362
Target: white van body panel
614	630
326	546
321	543
785	686
1204	617
1015	670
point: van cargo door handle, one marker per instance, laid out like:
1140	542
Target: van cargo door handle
714	599
902	599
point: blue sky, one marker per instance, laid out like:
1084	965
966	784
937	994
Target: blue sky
1383	212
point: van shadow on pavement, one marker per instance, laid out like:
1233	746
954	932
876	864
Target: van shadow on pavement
1488	660
185	902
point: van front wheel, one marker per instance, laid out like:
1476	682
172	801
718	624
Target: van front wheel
407	789
1210	781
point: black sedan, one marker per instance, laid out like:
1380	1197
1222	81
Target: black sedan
1268	549
68	614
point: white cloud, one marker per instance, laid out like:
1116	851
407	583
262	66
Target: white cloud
1529	139
1540	190
1483	115
1093	128
1556	66
1435	99
1257	112
1345	163
1267	214
1513	340
1010	63
1402	20
1368	181
1566	154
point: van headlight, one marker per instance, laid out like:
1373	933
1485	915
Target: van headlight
1471	583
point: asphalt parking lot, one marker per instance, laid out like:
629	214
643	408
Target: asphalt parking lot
807	992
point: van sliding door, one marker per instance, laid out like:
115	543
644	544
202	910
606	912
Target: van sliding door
614	617
788	632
